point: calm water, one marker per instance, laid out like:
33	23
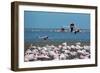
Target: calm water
33	36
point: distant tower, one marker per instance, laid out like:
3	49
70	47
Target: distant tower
72	26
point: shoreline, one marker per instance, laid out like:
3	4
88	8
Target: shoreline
55	43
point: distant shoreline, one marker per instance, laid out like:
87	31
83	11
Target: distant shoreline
53	29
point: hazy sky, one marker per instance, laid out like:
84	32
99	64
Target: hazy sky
39	19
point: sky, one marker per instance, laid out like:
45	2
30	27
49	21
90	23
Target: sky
40	19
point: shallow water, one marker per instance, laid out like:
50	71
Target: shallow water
33	36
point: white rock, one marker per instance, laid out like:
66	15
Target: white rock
72	46
78	43
68	47
62	56
64	44
28	51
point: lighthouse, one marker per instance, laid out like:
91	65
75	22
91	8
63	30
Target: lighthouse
72	26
